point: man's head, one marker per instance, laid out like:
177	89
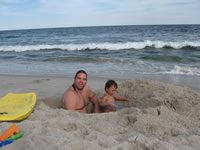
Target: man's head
80	71
80	80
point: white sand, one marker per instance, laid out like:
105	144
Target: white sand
158	117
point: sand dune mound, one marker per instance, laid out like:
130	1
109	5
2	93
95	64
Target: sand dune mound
147	94
158	116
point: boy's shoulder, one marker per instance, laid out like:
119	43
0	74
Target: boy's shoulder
107	97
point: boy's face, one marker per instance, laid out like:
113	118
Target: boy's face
111	90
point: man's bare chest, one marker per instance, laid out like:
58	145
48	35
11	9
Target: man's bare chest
81	99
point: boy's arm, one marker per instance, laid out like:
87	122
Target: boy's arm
121	98
103	102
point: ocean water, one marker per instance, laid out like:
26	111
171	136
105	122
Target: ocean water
102	51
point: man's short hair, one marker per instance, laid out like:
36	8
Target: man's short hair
80	71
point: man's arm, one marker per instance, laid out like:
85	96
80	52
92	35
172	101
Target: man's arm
93	97
68	100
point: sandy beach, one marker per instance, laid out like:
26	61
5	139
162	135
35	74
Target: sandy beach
159	115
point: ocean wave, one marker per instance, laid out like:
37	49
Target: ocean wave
185	71
104	46
164	58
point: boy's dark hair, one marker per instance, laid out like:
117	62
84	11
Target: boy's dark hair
110	83
80	71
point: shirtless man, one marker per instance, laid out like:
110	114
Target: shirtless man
77	96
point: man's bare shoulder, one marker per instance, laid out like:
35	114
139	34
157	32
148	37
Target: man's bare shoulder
69	92
86	88
70	89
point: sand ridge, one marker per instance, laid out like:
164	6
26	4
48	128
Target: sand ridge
158	116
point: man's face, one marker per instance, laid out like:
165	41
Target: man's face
80	81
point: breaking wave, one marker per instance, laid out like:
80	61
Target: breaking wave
105	46
185	71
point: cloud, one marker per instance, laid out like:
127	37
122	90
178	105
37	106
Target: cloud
54	13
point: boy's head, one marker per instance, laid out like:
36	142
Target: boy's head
111	86
110	83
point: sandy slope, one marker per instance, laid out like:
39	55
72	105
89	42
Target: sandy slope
158	116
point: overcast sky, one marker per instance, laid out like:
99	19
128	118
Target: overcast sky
28	14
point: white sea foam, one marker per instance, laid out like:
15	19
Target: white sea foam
185	70
107	46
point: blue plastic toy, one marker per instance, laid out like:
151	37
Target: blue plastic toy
117	106
6	142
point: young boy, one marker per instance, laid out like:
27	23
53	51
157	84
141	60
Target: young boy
108	100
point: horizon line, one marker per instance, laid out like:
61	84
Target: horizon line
42	28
